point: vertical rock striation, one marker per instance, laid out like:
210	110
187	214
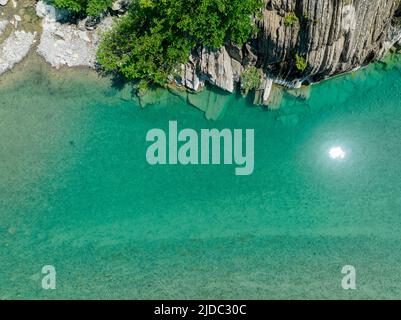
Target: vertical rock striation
330	36
333	36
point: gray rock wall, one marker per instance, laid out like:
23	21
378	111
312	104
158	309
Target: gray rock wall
334	36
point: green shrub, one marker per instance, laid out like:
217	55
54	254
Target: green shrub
250	79
290	19
89	7
96	7
151	41
300	63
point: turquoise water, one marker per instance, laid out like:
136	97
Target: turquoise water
77	193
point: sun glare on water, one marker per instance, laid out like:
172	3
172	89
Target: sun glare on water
337	153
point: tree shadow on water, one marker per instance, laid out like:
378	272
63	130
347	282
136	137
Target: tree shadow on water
119	83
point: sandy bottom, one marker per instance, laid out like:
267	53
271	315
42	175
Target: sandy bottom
77	193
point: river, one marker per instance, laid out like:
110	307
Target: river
77	192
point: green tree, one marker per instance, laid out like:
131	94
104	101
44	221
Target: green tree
155	37
250	79
89	7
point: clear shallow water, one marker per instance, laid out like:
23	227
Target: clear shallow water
77	193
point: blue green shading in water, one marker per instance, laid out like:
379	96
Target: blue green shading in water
77	193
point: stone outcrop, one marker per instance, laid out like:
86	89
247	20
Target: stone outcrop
67	44
120	5
331	36
14	49
215	66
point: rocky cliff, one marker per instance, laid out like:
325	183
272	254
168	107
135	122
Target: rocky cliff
334	36
299	41
328	37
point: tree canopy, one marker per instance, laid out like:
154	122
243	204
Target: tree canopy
89	7
156	36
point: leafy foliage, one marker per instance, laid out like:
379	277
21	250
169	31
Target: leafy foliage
300	63
89	7
155	36
290	19
250	79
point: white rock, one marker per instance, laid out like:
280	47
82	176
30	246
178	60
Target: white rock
14	49
66	44
3	26
59	33
50	13
72	50
3	2
348	18
120	4
17	18
216	66
267	89
84	36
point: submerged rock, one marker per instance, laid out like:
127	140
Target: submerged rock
288	119
303	92
212	103
153	96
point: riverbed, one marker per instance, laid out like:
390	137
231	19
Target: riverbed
77	192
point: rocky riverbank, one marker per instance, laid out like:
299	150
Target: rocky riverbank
67	44
37	26
328	38
14	49
17	32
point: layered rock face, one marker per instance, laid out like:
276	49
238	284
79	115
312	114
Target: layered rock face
334	36
300	42
329	36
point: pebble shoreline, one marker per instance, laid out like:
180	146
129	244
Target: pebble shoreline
60	44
